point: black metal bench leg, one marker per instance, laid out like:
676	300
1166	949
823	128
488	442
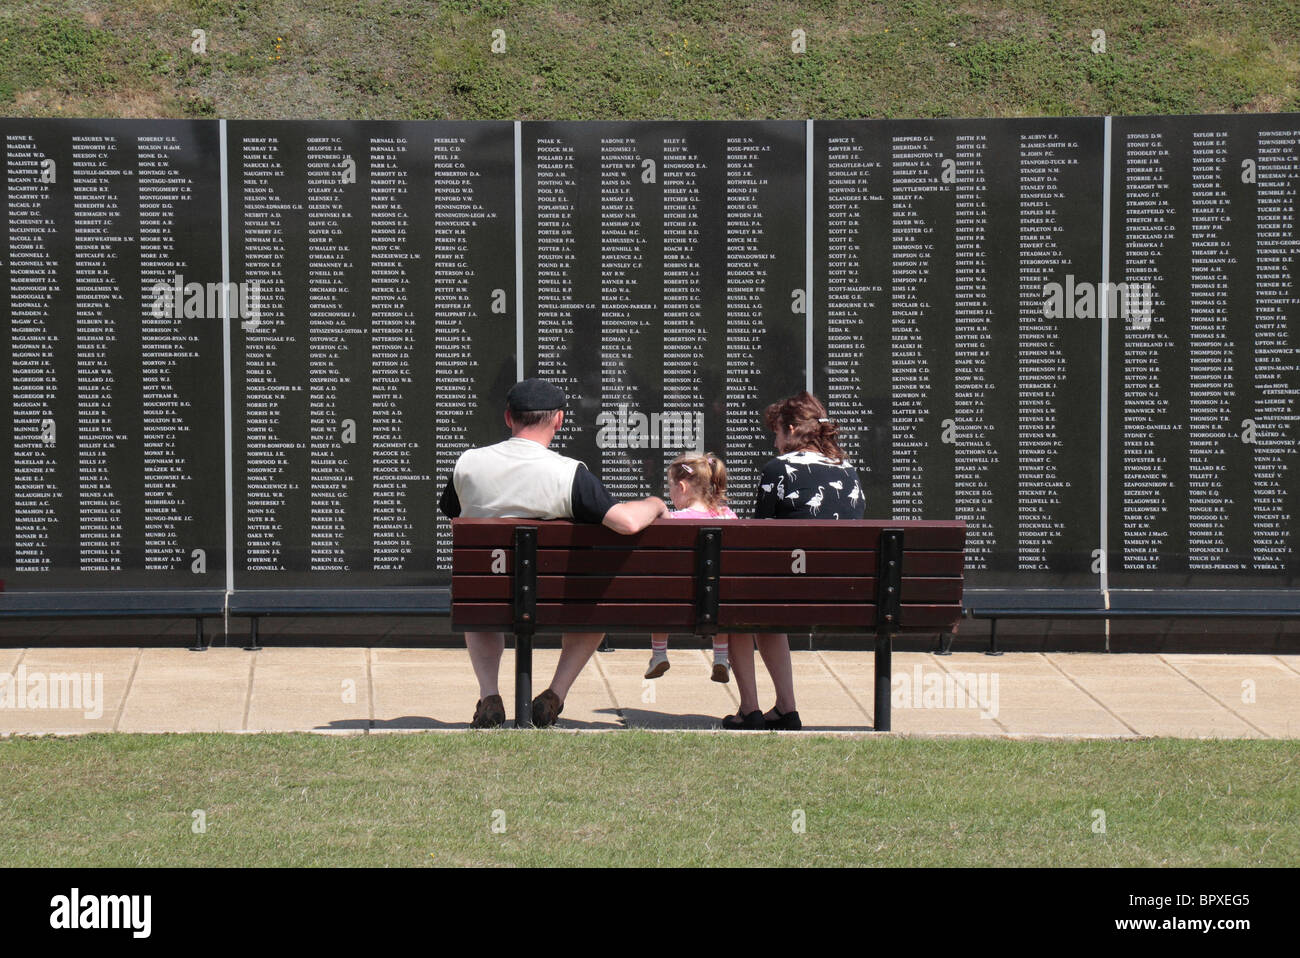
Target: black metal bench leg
523	680
889	589
945	644
525	609
884	679
198	635
993	638
252	645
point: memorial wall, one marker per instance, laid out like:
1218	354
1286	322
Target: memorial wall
661	265
246	354
1205	398
384	258
935	239
115	397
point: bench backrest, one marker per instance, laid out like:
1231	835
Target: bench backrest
703	575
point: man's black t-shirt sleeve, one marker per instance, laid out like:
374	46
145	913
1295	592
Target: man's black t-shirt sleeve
449	505
590	499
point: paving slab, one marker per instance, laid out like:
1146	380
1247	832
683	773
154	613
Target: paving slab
359	691
1087	722
1193	723
855	672
684	697
826	701
429	688
1032	696
589	704
68	690
309	688
1259	689
1153	698
176	690
935	693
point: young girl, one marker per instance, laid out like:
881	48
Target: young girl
698	486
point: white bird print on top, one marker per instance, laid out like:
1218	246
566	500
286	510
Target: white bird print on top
856	494
790	470
766	488
836	484
794	495
815	502
780	488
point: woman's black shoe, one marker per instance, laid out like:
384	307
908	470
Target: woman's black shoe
784	721
754	720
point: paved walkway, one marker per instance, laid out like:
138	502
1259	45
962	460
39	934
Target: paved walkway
355	690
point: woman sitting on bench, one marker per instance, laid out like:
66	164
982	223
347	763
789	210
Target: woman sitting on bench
809	479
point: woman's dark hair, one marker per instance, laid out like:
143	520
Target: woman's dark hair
813	429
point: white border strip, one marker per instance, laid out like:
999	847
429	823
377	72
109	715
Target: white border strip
808	255
226	363
519	252
1104	457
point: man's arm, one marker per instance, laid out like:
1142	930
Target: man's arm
449	505
593	503
629	517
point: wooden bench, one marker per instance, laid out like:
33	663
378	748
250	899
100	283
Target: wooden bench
705	576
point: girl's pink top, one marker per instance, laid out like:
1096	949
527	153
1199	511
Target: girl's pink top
723	513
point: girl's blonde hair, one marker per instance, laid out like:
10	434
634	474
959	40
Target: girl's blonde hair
704	474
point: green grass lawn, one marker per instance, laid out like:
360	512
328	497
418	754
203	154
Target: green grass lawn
646	59
643	799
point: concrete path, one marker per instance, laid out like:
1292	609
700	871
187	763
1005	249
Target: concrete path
359	690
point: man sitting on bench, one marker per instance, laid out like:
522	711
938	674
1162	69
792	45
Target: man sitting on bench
521	478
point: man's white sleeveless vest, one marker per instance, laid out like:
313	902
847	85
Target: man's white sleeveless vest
516	479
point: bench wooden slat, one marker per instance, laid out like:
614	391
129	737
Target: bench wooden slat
665	617
682	534
649	590
925	590
788	589
833	534
923	617
761	589
732	616
946	564
498	616
820	562
656	589
794	617
498	533
583	562
816	562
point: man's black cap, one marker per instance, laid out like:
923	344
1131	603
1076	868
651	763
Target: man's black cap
534	394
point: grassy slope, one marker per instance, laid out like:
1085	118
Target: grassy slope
638	798
646	59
